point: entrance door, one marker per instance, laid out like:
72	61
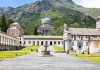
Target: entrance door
80	44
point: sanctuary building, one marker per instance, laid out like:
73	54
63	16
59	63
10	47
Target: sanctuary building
74	40
46	26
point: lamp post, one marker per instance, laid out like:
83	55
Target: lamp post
64	45
89	45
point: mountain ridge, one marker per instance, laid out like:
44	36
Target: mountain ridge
60	11
67	3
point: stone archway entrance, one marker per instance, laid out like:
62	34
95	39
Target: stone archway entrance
80	44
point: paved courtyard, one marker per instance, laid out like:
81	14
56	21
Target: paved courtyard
58	62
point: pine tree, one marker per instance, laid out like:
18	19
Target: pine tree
35	31
3	24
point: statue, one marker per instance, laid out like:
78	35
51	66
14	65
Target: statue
65	31
65	26
66	39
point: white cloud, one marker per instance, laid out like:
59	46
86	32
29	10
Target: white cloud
88	3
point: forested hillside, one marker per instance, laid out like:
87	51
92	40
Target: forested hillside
60	12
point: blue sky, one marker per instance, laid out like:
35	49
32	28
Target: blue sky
16	3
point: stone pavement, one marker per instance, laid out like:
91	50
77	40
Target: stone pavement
57	62
42	48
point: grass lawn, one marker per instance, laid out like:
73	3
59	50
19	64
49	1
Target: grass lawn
57	48
92	57
12	54
30	48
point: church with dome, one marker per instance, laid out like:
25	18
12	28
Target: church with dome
15	30
74	40
46	26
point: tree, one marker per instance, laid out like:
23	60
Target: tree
9	21
0	23
3	24
35	31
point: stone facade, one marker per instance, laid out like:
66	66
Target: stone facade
28	40
81	40
7	42
15	30
95	45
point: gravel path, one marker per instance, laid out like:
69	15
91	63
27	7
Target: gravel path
57	62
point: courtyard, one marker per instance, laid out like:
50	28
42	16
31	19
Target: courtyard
59	61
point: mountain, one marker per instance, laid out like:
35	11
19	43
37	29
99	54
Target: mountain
60	11
94	12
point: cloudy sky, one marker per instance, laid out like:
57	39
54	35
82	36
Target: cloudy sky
16	3
88	3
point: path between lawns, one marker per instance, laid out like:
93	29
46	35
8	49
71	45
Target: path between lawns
57	62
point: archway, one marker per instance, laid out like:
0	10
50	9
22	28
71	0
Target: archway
80	45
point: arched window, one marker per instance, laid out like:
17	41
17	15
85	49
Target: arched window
37	42
33	42
54	42
41	42
20	42
50	42
29	42
58	42
80	44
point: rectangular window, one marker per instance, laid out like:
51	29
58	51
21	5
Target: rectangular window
72	43
3	39
86	37
74	37
0	38
79	36
86	43
82	38
24	42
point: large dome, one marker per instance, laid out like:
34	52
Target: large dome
46	21
15	23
